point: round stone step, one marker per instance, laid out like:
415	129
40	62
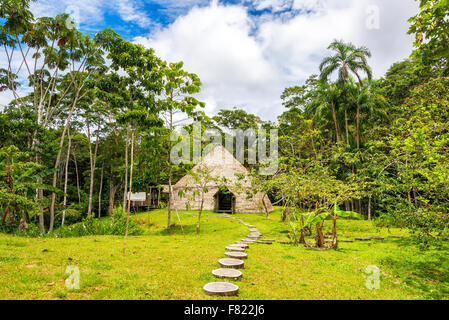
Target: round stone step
363	239
231	263
227	273
265	241
248	241
253	237
253	230
221	289
285	242
242	245
236	255
239	249
377	238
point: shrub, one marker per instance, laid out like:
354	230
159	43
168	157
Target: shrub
115	225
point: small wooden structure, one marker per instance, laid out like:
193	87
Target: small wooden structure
148	200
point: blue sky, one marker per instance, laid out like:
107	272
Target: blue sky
246	52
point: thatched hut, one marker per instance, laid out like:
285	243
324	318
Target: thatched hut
229	196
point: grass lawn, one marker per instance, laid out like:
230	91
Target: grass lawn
162	266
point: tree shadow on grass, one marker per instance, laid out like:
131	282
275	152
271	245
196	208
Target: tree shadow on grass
427	272
176	229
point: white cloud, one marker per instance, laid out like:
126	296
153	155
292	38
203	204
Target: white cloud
247	61
130	11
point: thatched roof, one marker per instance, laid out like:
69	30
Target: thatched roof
220	163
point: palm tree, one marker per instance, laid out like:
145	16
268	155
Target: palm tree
347	59
365	99
324	99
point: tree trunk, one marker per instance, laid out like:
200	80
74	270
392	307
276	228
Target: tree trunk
66	177
369	208
125	192
58	159
130	190
358	127
347	128
112	191
93	162
319	238
199	215
5	213
265	207
334	244
77	178
170	191
100	191
337	128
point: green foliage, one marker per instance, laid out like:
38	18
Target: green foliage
431	28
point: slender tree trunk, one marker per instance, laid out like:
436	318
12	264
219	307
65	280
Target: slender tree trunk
337	128
100	191
125	192
130	190
170	191
66	176
358	127
77	178
201	211
265	206
369	208
57	162
93	162
347	127
40	196
5	214
112	190
334	233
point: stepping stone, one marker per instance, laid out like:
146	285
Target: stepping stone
396	237
285	242
347	241
253	237
221	289
242	245
239	249
363	239
250	226
227	273
378	238
231	263
265	241
253	230
248	241
236	255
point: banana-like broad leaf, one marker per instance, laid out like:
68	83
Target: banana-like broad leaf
319	218
350	214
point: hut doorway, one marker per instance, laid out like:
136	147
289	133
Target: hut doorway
224	201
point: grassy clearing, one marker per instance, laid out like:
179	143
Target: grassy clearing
162	266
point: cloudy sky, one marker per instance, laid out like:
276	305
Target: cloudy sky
247	52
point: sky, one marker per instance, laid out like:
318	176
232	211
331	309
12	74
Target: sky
246	52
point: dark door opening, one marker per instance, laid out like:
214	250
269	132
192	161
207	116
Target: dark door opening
224	201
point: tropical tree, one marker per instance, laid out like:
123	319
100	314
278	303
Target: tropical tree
346	60
177	97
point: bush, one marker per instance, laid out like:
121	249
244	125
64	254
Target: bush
115	225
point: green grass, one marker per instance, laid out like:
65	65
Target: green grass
162	266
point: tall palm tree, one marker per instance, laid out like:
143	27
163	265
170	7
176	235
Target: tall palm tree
346	60
323	100
365	99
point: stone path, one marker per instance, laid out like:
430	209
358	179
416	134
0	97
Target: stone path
235	252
